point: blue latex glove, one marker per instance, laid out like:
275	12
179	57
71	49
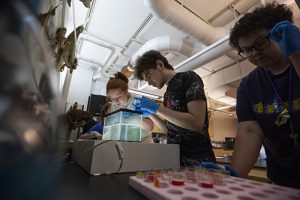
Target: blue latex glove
288	37
147	104
228	168
137	108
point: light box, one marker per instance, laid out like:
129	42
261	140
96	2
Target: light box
123	124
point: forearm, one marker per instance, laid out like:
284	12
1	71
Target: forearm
182	119
86	136
160	123
246	151
295	59
147	124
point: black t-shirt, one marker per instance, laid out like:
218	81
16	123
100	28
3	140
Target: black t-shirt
194	146
256	101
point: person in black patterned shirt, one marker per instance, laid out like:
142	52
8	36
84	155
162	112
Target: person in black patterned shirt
184	114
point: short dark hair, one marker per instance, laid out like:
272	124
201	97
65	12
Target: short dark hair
264	17
148	61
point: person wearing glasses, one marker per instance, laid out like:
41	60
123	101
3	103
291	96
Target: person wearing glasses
268	99
184	113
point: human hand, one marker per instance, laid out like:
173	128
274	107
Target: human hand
96	135
228	168
288	37
146	104
137	108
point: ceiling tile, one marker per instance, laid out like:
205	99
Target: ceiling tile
202	72
117	20
206	9
95	52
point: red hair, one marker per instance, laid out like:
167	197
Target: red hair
118	81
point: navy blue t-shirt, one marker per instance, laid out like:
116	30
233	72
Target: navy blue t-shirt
97	127
256	101
194	146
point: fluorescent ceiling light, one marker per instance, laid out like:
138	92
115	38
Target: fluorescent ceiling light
144	94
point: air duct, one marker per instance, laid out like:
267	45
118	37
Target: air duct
219	94
216	84
165	43
233	73
176	15
208	54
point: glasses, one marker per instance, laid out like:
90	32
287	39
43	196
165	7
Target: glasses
259	45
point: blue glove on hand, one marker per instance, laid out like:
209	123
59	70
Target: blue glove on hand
228	168
137	108
147	104
288	37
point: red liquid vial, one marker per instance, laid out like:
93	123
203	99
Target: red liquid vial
206	185
177	182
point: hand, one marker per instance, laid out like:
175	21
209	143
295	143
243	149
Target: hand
147	104
228	168
138	109
288	37
96	135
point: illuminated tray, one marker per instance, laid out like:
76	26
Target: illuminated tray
124	125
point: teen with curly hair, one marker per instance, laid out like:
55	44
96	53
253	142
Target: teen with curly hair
268	99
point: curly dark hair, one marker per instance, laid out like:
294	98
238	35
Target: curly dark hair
148	61
119	80
264	17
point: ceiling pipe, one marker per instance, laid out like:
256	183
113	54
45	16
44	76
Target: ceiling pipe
176	15
233	73
165	43
208	54
85	36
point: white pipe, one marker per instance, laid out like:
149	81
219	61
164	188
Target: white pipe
174	14
208	54
85	36
165	43
134	91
